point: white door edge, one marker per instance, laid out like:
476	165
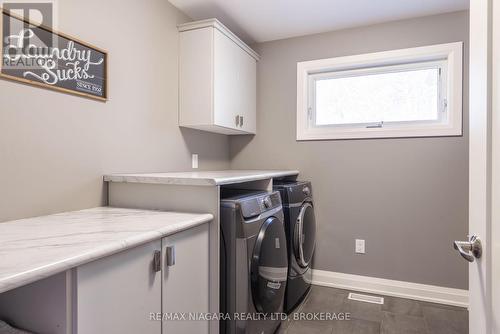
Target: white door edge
495	214
481	164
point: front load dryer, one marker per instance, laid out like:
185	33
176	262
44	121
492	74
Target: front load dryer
254	261
300	227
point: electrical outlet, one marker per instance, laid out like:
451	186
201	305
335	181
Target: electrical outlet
194	161
360	246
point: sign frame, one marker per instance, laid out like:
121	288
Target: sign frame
104	98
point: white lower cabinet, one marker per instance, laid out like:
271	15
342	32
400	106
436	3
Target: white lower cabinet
116	294
120	294
186	282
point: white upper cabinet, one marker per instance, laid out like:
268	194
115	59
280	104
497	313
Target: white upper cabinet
217	79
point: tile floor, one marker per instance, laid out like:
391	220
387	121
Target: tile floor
396	316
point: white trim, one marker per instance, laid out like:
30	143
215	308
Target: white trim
387	287
216	24
450	52
495	214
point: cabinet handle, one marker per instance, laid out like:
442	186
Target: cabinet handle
237	120
241	121
170	255
157	261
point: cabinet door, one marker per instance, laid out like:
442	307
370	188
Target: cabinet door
119	293
248	88
227	90
196	77
185	280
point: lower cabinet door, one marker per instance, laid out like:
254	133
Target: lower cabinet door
119	294
186	282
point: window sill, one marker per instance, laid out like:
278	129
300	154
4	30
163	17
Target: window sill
374	133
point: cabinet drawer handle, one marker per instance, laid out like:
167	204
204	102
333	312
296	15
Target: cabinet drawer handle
170	255
157	261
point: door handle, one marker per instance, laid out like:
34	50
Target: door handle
469	250
170	255
157	261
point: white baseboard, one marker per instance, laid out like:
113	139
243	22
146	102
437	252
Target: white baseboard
423	292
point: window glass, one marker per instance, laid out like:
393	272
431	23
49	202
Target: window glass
402	96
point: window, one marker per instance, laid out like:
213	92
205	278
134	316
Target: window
402	93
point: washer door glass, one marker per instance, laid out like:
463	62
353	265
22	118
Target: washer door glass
269	267
304	239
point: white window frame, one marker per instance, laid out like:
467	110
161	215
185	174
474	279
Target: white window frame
446	57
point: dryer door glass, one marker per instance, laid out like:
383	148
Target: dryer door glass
269	267
304	238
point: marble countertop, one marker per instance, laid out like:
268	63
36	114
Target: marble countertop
35	248
202	178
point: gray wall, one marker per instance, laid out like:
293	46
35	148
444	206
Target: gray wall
54	148
396	193
407	197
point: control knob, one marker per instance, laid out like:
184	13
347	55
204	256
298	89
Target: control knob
306	191
267	202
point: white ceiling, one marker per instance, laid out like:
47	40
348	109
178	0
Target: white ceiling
266	20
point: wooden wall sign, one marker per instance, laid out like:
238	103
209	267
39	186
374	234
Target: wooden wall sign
43	57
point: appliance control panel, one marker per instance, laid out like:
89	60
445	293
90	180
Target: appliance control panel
266	202
256	205
269	201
